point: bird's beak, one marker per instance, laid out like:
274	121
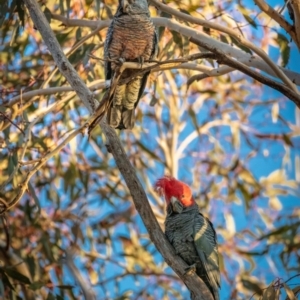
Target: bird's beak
176	205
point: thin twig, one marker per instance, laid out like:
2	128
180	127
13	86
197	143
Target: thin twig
11	122
222	58
23	186
97	84
72	50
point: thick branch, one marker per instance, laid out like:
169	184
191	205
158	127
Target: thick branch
197	287
256	62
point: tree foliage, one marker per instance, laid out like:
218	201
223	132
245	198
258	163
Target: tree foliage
69	221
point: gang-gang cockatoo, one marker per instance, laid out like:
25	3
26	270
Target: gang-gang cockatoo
190	233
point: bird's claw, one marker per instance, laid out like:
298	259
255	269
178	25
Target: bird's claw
121	60
191	270
141	61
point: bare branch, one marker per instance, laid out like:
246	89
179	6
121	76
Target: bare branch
87	290
221	57
11	122
81	23
295	4
172	25
232	33
95	85
273	14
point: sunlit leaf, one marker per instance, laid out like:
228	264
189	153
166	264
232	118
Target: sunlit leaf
290	293
34	196
270	293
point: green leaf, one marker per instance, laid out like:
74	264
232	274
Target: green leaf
238	44
78	34
20	11
177	38
16	275
280	230
65	287
36	285
31	264
250	21
34	196
287	140
284	47
47	247
224	39
50	296
14	34
252	285
184	11
5	280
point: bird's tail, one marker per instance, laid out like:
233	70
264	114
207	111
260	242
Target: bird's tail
120	117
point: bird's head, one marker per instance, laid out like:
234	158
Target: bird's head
175	192
133	7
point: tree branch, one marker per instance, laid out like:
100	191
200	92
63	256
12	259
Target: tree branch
232	33
295	4
221	57
86	288
256	62
81	23
197	287
273	14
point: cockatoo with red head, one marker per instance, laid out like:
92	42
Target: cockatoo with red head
190	233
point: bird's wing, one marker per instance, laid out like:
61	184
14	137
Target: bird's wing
207	248
145	77
108	40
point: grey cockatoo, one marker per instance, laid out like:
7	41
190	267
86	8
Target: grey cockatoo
131	37
191	234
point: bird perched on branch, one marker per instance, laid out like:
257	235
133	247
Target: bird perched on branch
131	37
190	233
